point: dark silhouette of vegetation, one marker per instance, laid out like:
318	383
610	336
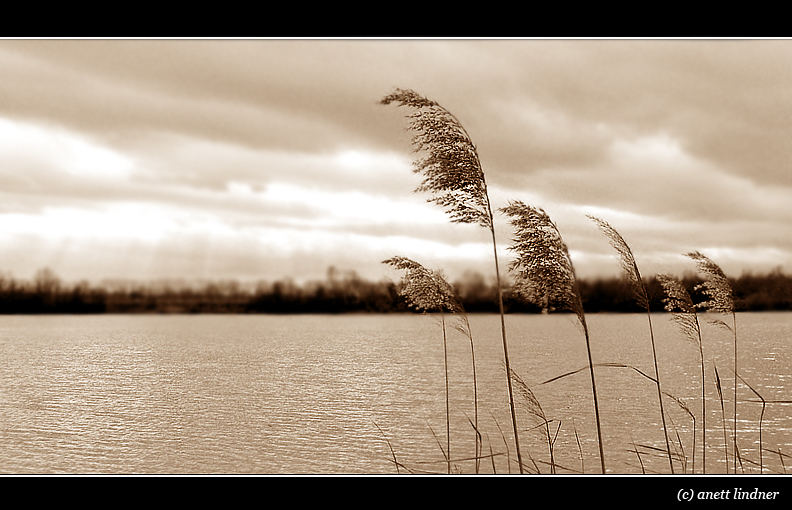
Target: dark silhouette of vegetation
346	292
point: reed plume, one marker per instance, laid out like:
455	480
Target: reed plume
543	267
454	179
423	289
427	291
721	299
638	287
683	312
451	169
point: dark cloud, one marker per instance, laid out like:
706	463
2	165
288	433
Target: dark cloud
530	104
684	140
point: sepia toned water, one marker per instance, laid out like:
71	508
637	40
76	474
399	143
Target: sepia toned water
319	394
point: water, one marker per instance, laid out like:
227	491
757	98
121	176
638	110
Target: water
306	394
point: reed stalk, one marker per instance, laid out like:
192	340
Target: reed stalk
580	448
442	450
464	328
448	408
761	418
723	420
533	461
633	276
739	458
683	405
717	288
640	372
543	268
734	330
681	450
638	454
492	457
683	313
534	408
505	443
390	447
479	443
454	178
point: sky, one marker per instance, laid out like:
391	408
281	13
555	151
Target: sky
266	159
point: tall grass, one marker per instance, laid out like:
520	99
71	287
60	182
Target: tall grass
454	178
681	450
534	408
683	405
427	291
761	419
719	387
396	463
638	454
721	299
683	312
464	327
580	448
633	275
543	267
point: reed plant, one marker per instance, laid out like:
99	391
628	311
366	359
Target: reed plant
641	296
426	290
720	296
680	451
534	408
505	443
719	387
683	405
463	326
396	463
683	312
638	454
781	458
452	175
761	419
454	178
543	267
580	448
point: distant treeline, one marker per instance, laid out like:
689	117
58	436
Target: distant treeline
339	292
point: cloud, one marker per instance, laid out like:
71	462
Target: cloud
277	151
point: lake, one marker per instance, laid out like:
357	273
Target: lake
274	394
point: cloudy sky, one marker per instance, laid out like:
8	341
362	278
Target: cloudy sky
258	159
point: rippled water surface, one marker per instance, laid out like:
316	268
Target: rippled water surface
320	394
